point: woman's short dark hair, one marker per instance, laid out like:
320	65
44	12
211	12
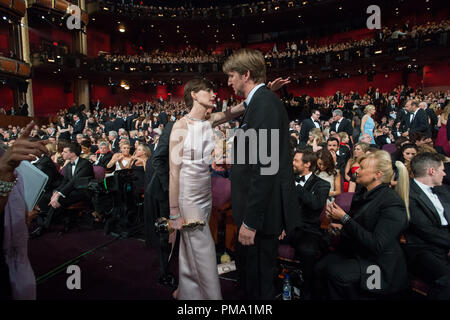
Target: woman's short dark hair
86	143
195	85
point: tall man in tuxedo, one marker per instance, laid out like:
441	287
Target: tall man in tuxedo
312	193
341	124
156	203
78	126
428	236
262	193
307	125
417	120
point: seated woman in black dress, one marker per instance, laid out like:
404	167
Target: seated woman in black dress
368	258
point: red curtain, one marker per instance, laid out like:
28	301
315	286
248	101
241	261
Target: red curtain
49	97
98	41
6	97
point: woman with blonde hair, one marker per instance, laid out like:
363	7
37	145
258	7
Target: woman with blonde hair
370	235
315	139
359	150
367	122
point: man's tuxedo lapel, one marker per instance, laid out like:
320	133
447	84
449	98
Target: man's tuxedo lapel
309	184
422	197
252	102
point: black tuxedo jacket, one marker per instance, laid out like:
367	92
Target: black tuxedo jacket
70	182
267	202
312	198
46	165
157	172
78	127
115	145
433	117
425	231
307	125
372	236
345	126
119	123
104	160
109	126
163	118
342	158
419	123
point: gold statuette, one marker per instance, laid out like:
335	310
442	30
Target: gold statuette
162	225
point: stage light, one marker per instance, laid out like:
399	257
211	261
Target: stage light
379	51
122	28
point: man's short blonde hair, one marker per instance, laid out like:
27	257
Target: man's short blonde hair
245	60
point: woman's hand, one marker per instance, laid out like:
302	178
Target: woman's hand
177	224
335	212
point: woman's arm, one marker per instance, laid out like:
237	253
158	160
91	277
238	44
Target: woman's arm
227	115
113	161
177	137
347	169
337	186
363	122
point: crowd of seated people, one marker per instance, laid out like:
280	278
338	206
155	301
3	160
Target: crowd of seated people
330	162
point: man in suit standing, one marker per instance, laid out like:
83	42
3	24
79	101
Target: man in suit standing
263	199
78	126
312	194
432	118
428	236
156	204
417	120
114	140
163	118
341	124
307	125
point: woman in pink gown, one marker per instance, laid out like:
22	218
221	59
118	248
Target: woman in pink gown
442	139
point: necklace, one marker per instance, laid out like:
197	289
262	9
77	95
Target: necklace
193	119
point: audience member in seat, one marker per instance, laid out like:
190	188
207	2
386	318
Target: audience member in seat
76	173
340	154
408	152
359	150
312	193
103	157
370	236
326	170
428	236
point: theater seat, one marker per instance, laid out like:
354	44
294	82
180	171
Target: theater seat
344	200
391	148
99	172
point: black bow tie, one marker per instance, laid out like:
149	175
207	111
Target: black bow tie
434	189
299	179
245	105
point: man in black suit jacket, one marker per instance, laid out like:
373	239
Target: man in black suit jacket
103	157
163	118
77	174
312	194
432	118
78	126
113	137
263	194
307	125
340	154
417	120
428	236
341	124
156	203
